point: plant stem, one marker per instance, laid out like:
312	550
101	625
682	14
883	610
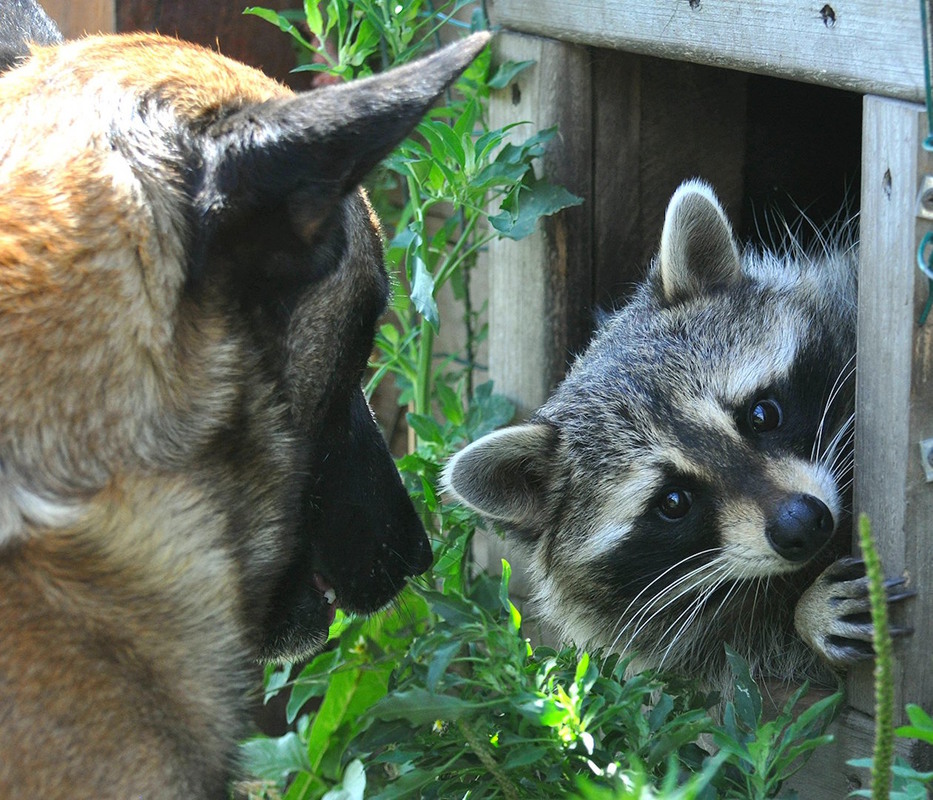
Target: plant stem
425	342
481	751
883	756
423	380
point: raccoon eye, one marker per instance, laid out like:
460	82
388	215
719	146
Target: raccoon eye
765	415
674	504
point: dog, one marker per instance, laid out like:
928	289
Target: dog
190	476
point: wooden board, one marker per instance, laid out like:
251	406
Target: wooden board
222	27
867	46
77	17
894	394
648	140
540	288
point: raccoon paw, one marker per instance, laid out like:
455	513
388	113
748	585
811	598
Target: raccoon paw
833	615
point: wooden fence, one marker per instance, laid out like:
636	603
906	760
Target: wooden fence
648	92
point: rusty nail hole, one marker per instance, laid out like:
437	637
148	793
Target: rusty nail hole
694	4
828	15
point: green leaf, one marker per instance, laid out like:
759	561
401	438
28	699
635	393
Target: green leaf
747	697
349	693
544	711
507	72
457	610
274	759
419	706
283	23
450	402
426	427
440	660
352	785
921	727
313	17
523	756
275	676
443	141
422	291
534	200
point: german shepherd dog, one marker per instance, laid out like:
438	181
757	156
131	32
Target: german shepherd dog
190	477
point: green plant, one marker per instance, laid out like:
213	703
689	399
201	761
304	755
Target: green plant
442	696
891	778
765	752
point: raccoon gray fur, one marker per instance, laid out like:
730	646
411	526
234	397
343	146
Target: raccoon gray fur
688	484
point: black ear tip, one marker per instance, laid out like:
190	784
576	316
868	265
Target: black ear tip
447	64
472	45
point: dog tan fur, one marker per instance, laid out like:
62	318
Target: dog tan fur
189	283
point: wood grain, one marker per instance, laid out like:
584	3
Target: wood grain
78	17
863	45
894	394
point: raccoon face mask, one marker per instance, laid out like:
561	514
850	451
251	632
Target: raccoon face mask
190	477
687	486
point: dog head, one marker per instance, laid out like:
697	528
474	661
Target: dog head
189	285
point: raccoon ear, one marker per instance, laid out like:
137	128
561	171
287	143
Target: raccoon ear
698	250
316	147
505	475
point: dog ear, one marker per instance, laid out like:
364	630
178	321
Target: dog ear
23	22
505	475
313	148
698	250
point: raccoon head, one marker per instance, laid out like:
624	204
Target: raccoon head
699	448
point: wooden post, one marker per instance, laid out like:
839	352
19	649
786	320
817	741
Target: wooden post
78	17
895	377
894	412
540	288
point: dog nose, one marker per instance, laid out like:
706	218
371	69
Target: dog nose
422	557
801	526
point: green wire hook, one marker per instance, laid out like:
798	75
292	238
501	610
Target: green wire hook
924	260
925	264
926	18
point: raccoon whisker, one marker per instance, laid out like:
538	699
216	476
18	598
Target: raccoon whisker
688	615
842	462
647	606
841	459
844	487
659	603
844	376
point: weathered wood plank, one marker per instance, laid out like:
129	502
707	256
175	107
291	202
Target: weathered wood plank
647	140
222	27
894	395
863	45
540	288
78	17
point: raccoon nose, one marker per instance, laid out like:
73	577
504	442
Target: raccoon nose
801	526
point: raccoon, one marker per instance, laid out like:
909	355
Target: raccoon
688	485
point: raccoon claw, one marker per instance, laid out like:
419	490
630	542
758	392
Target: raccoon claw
834	615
